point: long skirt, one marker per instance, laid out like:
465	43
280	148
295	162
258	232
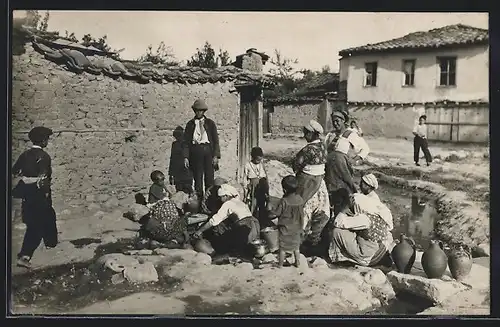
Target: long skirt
316	214
308	185
230	237
348	246
164	224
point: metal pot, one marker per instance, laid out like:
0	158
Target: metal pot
259	247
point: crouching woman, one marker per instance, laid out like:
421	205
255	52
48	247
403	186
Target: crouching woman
358	236
233	227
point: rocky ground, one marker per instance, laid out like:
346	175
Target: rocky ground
95	270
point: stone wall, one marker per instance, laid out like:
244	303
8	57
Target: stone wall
289	119
94	156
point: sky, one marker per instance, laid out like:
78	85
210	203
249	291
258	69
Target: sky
314	38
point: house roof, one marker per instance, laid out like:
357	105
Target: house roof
451	35
95	61
323	81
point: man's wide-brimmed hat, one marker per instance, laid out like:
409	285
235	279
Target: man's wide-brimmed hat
199	105
39	134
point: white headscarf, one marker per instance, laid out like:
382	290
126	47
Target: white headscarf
314	126
228	190
371	180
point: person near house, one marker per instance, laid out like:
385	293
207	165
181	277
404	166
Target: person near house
353	126
357	236
201	148
290	214
34	188
420	141
309	169
233	228
179	175
157	190
339	171
257	188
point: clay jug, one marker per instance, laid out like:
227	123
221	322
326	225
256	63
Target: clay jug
403	254
434	260
204	246
460	263
193	205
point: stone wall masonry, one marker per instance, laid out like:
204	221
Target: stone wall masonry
91	159
289	119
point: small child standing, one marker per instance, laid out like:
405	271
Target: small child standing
290	214
257	188
157	191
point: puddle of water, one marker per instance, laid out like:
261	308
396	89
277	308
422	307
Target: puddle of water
197	306
414	214
69	287
81	242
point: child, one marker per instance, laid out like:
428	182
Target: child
355	128
257	188
179	175
290	213
157	191
34	167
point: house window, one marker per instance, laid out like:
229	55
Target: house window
409	72
371	74
447	71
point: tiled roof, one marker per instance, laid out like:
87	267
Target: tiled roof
78	58
297	99
450	35
322	81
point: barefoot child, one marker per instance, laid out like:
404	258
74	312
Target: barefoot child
290	214
157	191
257	188
34	168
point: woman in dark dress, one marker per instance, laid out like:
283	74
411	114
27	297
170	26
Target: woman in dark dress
34	168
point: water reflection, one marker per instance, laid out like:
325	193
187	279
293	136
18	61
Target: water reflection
420	224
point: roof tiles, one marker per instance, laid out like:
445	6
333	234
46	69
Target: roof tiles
450	35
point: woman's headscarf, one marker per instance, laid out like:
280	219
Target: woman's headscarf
314	126
371	180
228	190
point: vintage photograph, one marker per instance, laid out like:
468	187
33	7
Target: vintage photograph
249	163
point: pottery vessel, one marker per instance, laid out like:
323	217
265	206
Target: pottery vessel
193	205
434	260
259	248
403	254
271	236
460	263
204	246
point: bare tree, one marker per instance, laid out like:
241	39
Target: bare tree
283	66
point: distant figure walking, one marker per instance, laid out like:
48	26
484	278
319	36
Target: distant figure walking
420	141
201	148
34	168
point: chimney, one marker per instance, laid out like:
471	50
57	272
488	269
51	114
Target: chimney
251	60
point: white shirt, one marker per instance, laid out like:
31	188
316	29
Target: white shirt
359	144
255	170
199	136
420	130
233	206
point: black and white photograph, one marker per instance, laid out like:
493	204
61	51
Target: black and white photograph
240	163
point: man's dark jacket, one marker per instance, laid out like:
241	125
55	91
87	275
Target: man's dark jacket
213	137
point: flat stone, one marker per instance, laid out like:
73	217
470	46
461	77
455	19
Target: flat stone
116	262
270	258
375	277
435	290
319	263
141	273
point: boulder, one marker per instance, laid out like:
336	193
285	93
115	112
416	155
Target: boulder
375	277
319	263
435	290
482	250
141	273
116	262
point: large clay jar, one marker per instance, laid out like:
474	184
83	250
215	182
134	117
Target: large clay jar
403	254
434	260
460	263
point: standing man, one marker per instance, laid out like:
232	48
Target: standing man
201	147
420	141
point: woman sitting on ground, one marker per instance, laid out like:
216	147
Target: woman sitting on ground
233	227
357	236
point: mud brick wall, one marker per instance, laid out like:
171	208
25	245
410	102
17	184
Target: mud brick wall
99	165
289	119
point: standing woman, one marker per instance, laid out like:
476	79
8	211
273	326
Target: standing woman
34	168
201	148
420	141
309	168
339	172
